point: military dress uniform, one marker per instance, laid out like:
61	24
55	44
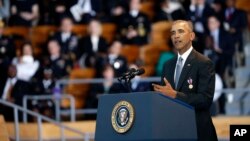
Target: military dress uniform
140	23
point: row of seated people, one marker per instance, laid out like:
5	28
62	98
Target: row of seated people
135	26
82	52
30	12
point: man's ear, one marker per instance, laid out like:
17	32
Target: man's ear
192	36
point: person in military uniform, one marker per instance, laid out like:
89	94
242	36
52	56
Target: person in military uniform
113	58
67	40
55	61
7	51
134	26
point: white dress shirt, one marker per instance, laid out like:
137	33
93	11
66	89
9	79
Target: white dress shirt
184	57
94	41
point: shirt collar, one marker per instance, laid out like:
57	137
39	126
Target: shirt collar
185	55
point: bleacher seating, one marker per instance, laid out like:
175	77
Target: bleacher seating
4	136
131	52
39	36
243	4
108	31
160	33
80	30
79	91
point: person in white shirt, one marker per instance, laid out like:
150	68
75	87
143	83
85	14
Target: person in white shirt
26	64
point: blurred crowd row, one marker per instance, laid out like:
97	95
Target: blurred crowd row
222	30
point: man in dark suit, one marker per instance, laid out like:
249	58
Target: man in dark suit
190	77
222	46
92	45
235	20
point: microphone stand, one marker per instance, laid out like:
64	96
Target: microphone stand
126	83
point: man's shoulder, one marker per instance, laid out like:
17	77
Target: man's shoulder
200	58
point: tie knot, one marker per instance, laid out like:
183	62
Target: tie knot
180	59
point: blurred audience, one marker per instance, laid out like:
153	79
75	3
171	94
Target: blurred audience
221	49
4	10
67	39
24	12
26	64
7	51
13	89
60	66
198	13
53	11
92	46
107	87
164	56
168	10
113	9
113	58
235	21
85	10
134	26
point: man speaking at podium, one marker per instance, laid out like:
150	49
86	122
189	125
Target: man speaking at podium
190	77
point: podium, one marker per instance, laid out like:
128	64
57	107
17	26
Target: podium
155	118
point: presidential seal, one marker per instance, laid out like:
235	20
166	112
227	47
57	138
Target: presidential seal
122	116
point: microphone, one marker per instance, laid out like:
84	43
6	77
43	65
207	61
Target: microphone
132	73
126	74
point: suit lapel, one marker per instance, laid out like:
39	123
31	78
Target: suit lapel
186	68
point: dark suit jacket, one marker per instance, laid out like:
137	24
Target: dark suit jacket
163	16
207	11
70	45
20	89
200	69
86	47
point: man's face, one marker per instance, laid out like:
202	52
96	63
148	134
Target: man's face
181	36
213	23
66	25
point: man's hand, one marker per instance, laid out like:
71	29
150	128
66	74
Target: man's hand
166	90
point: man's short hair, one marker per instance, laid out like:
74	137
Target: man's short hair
189	23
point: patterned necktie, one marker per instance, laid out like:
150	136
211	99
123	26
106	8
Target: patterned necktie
178	71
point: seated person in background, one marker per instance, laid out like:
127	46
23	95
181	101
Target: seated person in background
107	87
134	26
12	90
44	86
60	66
113	58
85	10
26	64
113	9
222	48
53	11
136	84
198	12
67	39
24	12
169	11
92	46
164	57
235	20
